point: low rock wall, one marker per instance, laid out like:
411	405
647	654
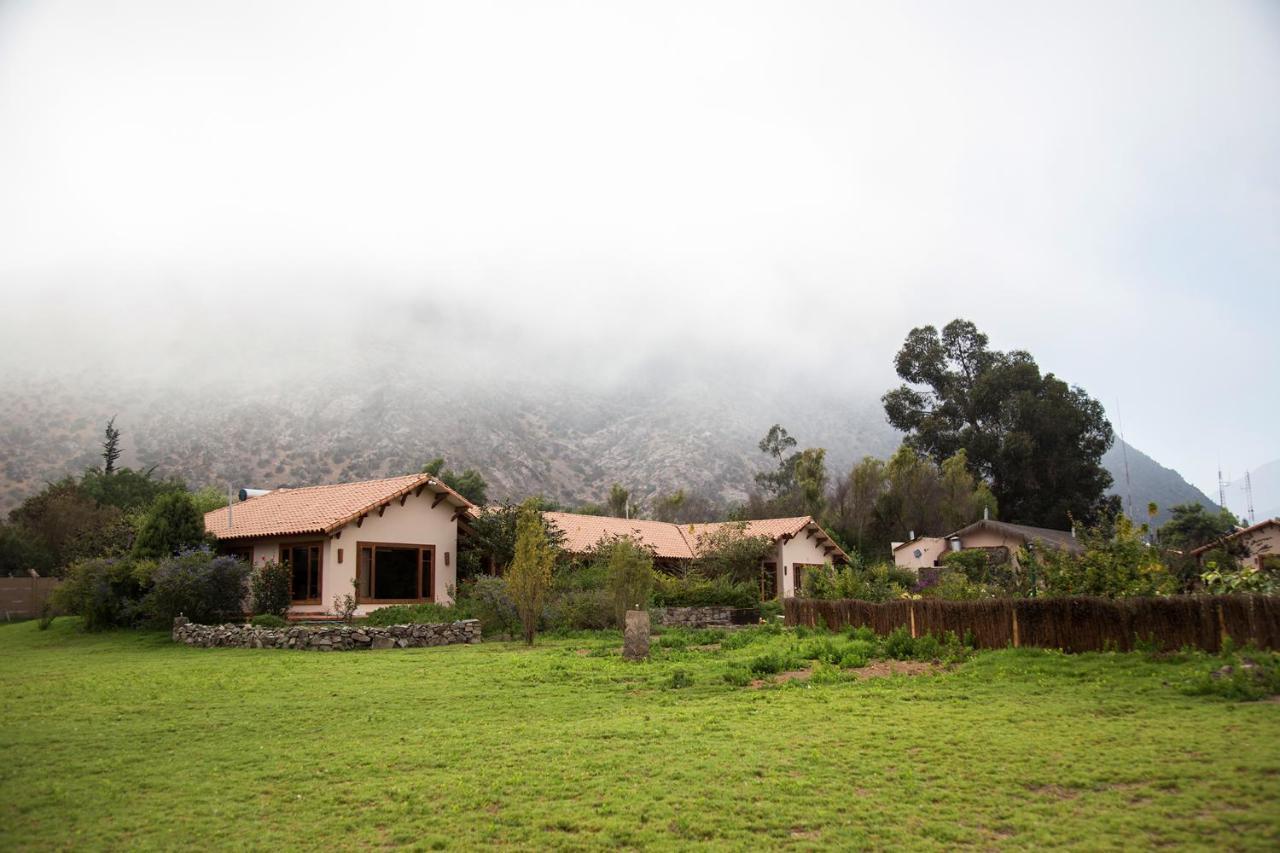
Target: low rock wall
703	617
326	638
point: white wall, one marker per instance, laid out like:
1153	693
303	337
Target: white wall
799	550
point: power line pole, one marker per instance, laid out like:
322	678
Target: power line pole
1248	496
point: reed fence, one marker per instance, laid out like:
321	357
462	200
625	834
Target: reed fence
1073	624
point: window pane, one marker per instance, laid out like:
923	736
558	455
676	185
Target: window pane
298	562
397	573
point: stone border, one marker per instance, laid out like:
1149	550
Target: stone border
326	638
700	617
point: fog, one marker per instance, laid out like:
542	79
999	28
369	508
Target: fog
754	195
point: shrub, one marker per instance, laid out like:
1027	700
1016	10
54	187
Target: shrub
695	591
771	663
899	645
854	656
269	586
629	569
579	610
738	675
105	592
487	600
427	613
825	674
172	524
680	678
820	648
926	648
205	588
863	633
267	620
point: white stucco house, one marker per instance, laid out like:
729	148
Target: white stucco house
391	541
927	551
798	543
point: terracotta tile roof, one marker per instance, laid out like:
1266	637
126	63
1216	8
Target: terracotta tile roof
671	541
584	532
317	509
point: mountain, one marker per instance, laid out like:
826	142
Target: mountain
1149	482
649	432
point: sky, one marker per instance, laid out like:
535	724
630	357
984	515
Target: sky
584	188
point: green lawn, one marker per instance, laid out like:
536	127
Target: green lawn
127	740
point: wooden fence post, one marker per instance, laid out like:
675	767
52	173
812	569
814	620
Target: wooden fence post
912	606
1013	608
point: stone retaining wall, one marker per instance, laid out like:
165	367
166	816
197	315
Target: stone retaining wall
698	617
326	638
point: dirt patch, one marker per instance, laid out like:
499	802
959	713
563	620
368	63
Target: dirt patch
782	678
1056	791
884	668
801	832
709	647
582	652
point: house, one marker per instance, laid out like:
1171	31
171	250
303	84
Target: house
798	543
1258	542
390	541
927	551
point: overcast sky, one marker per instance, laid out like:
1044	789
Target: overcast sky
592	184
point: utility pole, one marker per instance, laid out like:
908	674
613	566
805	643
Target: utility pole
1248	496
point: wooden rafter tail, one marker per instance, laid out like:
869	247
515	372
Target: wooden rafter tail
461	512
381	509
439	497
404	498
360	521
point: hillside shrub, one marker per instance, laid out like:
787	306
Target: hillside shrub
269	588
106	592
205	588
268	620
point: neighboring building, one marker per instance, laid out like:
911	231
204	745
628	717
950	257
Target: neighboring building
396	539
1259	541
927	551
798	543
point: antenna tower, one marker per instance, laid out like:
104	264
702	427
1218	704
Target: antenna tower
1248	496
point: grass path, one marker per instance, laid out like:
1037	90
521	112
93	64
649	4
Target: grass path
127	740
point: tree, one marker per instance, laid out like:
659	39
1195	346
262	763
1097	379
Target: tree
1036	440
667	507
798	483
628	575
778	444
1191	525
964	498
853	506
469	483
491	545
171	525
729	552
64	524
110	447
529	576
682	507
128	489
619	501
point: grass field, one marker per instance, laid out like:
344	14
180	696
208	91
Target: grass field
127	740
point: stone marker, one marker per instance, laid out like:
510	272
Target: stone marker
635	638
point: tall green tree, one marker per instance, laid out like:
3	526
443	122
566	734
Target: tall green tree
628	575
110	447
468	483
529	577
619	501
1036	440
171	525
1191	525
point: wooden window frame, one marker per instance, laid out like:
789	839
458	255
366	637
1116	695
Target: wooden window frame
426	561
318	544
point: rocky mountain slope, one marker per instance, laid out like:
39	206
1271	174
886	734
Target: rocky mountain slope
567	443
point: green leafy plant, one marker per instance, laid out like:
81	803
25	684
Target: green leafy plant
269	588
268	620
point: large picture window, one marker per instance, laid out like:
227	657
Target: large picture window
303	560
386	572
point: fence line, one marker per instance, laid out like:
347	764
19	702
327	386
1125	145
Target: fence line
1073	624
24	598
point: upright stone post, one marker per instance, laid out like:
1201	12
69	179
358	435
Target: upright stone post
178	622
635	636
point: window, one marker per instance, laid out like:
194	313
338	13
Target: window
243	552
303	560
387	572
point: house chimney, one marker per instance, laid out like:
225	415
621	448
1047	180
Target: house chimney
986	513
911	537
954	543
